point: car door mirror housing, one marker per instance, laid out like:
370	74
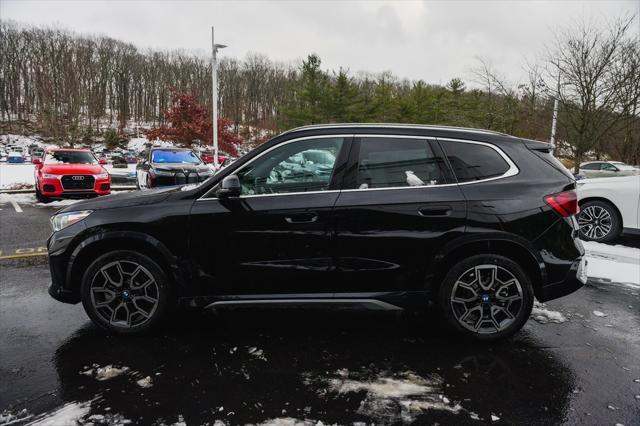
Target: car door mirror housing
230	187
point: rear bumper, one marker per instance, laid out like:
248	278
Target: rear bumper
575	279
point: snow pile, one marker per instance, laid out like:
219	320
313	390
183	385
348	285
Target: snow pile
104	373
617	263
69	414
8	418
389	398
146	382
14	175
23	141
543	315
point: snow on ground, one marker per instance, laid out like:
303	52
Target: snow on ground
617	263
69	414
14	175
388	396
540	313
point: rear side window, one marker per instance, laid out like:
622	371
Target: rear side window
387	162
472	162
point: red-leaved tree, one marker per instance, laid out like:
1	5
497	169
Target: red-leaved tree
189	122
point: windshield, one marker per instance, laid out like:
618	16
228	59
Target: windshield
165	156
70	157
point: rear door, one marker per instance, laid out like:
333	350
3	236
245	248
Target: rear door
399	205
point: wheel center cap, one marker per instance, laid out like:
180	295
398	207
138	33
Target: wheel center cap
485	298
125	294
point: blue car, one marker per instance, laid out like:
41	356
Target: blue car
15	157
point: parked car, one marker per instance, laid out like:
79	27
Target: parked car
37	153
70	173
207	158
170	166
595	169
119	162
609	207
476	222
15	157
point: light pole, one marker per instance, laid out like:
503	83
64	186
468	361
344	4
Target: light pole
214	89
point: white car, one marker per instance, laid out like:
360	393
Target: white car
596	169
608	207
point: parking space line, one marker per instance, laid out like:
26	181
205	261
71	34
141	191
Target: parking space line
16	206
19	256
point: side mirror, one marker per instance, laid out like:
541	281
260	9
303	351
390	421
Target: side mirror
230	187
36	161
102	161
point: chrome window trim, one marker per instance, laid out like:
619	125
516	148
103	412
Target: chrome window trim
512	171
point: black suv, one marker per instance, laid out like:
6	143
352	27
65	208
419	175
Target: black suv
375	216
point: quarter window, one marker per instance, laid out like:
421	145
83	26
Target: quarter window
397	162
472	161
300	166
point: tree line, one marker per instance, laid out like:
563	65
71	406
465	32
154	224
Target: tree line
72	88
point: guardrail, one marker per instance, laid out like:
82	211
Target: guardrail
32	191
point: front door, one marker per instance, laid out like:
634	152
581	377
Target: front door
402	206
275	238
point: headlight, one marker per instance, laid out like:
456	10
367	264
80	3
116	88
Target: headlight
62	220
102	176
49	176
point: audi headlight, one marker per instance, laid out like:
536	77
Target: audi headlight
104	175
62	220
49	176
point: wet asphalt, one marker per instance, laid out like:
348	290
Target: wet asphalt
335	366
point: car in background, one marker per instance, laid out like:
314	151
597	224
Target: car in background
37	153
596	169
207	158
167	166
608	207
15	157
70	173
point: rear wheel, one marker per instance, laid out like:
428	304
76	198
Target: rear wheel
598	221
486	297
125	292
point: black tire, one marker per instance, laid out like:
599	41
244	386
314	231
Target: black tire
127	261
592	228
41	198
465	271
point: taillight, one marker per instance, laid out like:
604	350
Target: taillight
565	203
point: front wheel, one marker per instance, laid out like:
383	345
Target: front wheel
39	197
486	297
125	292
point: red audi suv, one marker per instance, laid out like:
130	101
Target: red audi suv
70	173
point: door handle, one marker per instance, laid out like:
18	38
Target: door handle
302	218
435	211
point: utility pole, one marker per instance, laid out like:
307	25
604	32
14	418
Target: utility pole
555	118
214	89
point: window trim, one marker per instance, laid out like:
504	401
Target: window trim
511	171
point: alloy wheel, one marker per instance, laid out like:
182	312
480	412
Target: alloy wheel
124	293
595	222
486	299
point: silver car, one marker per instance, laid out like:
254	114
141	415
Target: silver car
596	169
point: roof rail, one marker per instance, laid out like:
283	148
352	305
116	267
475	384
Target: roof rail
393	125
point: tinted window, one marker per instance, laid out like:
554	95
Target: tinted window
608	167
397	162
70	157
294	167
591	166
167	156
473	161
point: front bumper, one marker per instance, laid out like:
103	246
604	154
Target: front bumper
53	188
575	279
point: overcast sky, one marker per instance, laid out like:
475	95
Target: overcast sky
430	40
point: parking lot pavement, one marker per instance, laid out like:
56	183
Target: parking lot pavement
24	227
253	366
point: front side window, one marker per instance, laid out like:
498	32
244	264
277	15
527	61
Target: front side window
70	157
161	156
591	166
387	162
300	166
472	161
